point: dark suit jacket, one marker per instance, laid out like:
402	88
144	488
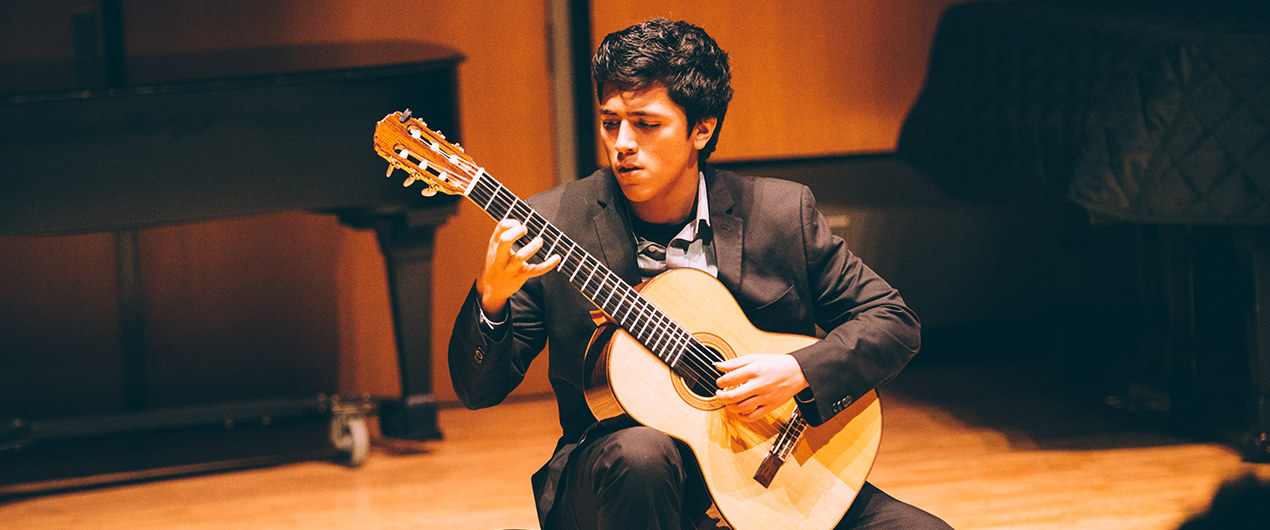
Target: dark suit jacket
775	254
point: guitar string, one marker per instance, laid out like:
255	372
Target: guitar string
700	358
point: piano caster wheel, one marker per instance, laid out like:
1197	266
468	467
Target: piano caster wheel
350	436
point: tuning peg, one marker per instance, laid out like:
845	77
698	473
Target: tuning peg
428	192
408	182
405	116
390	170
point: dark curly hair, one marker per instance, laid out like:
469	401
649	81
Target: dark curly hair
677	55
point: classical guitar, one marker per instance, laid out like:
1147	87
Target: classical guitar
651	360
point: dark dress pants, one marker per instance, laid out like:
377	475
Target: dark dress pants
640	478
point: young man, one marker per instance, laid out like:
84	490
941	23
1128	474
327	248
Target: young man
664	88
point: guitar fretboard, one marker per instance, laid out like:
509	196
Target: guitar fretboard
621	302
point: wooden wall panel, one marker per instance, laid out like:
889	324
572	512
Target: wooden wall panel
812	78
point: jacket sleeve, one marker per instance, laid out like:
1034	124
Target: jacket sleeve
871	333
486	367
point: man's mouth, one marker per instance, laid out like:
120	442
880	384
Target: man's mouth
628	169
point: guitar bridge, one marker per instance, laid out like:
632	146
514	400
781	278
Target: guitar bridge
782	447
767	470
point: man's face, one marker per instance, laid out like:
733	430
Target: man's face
652	148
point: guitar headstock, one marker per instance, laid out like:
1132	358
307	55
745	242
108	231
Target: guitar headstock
408	144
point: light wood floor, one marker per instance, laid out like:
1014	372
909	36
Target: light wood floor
982	448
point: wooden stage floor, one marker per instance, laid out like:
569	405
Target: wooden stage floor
982	447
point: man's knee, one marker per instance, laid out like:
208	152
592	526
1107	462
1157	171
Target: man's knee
641	457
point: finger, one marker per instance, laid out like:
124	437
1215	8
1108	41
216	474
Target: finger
544	267
728	365
736	377
503	227
501	240
736	395
749	410
529	250
507	239
756	413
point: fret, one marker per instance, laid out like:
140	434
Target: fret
643	328
686	342
676	351
493	202
493	195
607	298
575	270
659	338
679	348
672	337
616	304
477	178
583	285
658	334
510	207
627	320
547	254
535	220
567	259
588	280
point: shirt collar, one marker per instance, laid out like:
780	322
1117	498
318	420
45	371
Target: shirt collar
698	228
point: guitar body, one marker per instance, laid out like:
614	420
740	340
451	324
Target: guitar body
816	484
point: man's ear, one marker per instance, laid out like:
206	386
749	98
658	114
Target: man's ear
703	131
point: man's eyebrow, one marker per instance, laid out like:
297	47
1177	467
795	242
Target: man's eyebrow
641	113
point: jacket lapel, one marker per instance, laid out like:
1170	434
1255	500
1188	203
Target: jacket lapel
729	230
612	232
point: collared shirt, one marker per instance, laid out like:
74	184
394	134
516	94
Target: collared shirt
692	247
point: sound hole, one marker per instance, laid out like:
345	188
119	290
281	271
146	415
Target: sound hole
696	383
703	389
703	384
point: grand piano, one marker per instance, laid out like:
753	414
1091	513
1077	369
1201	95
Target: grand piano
191	138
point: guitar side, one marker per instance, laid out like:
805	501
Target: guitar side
819	480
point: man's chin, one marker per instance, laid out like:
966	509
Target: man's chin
634	192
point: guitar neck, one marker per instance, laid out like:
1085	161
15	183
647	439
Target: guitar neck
604	288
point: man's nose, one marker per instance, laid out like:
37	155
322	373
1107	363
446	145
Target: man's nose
625	140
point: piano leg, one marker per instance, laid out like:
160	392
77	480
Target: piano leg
131	319
407	243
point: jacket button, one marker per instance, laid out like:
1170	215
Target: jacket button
480	355
843	403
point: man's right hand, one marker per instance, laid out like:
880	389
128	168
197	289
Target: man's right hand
507	269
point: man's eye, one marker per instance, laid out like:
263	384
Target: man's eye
647	125
610	125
